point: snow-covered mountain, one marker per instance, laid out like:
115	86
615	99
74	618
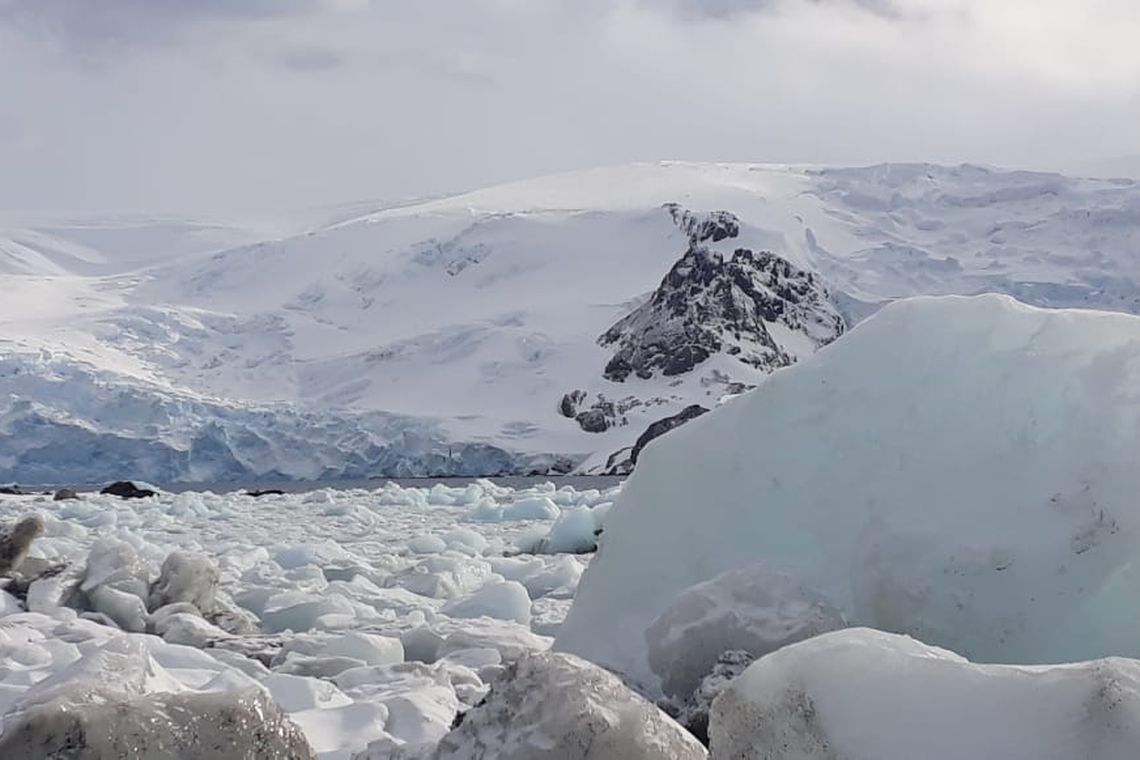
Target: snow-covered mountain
531	326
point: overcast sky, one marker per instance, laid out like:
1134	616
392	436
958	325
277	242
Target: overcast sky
242	107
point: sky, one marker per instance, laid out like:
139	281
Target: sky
230	108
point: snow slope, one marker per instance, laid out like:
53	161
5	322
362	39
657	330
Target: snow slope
465	320
958	469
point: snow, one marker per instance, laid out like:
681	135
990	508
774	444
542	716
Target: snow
957	469
867	695
190	604
189	352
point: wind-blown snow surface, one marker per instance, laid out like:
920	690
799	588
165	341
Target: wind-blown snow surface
439	336
370	617
958	469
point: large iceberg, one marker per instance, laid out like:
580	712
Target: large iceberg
960	469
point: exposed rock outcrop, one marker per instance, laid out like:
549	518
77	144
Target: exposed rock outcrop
714	302
125	489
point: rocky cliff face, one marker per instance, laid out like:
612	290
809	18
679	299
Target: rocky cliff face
712	302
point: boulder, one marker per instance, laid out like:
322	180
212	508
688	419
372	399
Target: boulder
188	726
118	701
862	694
553	706
185	577
15	544
125	489
65	494
752	610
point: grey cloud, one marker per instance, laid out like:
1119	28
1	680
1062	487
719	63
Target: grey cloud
729	8
258	107
88	23
311	59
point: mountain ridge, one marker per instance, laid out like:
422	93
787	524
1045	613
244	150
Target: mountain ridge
468	318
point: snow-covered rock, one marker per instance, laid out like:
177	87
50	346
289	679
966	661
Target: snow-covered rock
751	610
977	494
557	707
862	694
745	304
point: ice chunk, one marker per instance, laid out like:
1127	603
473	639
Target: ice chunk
752	610
315	666
505	600
547	615
574	532
558	707
296	693
337	731
368	648
510	639
561	575
979	495
299	611
115	563
427	545
532	508
466	540
187	628
320	555
47	594
445	577
126	610
186	577
420	699
862	694
421	644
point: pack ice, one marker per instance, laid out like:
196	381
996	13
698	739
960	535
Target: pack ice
958	469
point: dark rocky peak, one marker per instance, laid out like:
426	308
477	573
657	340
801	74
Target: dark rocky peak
702	227
710	302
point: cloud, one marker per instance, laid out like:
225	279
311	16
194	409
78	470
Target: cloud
311	58
252	106
727	9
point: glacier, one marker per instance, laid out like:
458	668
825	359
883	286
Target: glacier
181	351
